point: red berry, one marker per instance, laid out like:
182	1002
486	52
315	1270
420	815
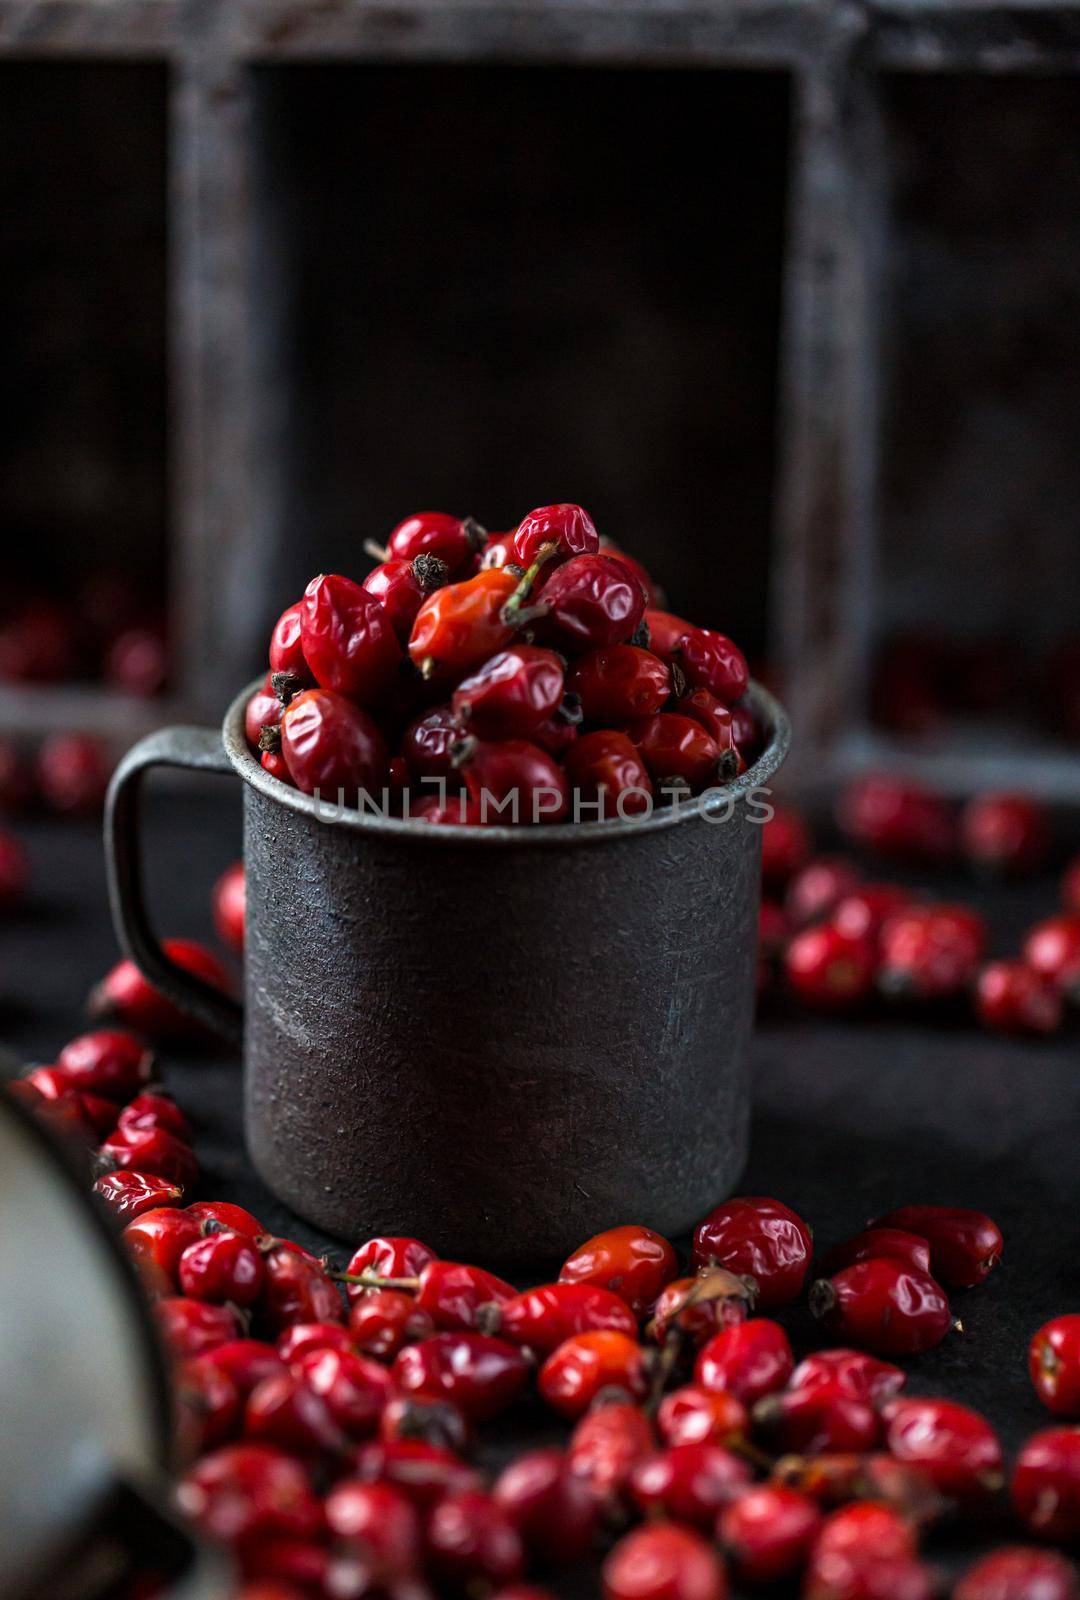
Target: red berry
152	1150
863	913
333	747
356	1390
785	847
206	1406
867	1529
553	1508
666	632
893	817
107	1062
471	1540
854	1576
228	906
575	1372
224	1267
304	1337
811	1421
664	1562
387	1256
818	888
1019	1572
609	774
263	711
689	1483
850	1373
424	1472
1052	949
475	1371
757	1237
247	1362
719	723
286	1412
249	1491
54	1084
435	1421
1046	1485
896	1243
1054	1365
498	550
618	683
632	1261
191	1327
511	694
692	1415
383	1520
698	1307
462	625
965	1246
383	1320
73	772
513	781
287	646
749	1360
213	1215
125	994
1011	998
1004	833
14	869
883	1306
455	1295
606	1445
131	1194
829	972
567	528
541	1319
591	601
678	752
931	952
296	1289
955	1447
156	1240
711	661
453	540
348	640
768	1532
401	587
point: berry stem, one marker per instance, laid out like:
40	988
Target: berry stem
514	612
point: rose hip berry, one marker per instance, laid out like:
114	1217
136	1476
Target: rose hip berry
817	889
664	1562
828	971
632	1261
131	1194
1046	1485
296	1289
768	1532
785	847
152	1150
348	640
693	1415
930	952
552	1507
696	1308
619	683
223	1267
1004	834
192	1327
249	1491
579	1368
850	1373
749	1360
607	1444
541	1319
1054	1365
475	1371
555	532
874	1242
461	625
894	817
711	661
511	694
679	754
126	995
690	1483
108	1062
757	1237
1052	949
228	907
955	1447
472	1540
402	586
883	1306
965	1246
332	746
1019	1572
383	1520
1011	998
383	1320
810	1421
591	601
451	540
609	774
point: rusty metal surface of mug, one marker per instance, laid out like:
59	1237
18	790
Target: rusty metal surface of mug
499	1039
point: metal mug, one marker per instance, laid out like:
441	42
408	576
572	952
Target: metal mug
500	1039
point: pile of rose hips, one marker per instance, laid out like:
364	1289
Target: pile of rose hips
477	678
841	940
327	1417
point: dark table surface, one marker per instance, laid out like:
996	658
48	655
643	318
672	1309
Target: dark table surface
852	1118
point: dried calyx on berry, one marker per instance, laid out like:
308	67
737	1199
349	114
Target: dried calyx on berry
286	685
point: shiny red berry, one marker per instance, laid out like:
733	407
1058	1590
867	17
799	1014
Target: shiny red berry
666	632
855	1576
355	1389
455	1295
678	753
695	1308
1004	834
693	1415
718	722
472	1540
664	1562
883	1306
401	587
286	1412
1046	1485
152	1150
263	711
383	1520
607	772
810	1421
512	781
1011	998
475	1371
249	1491
130	1194
452	540
930	952
541	1319
632	1261
228	906
206	1406
768	1532
850	1373
552	1507
564	530
711	661
223	1267
690	1483
1054	1365
462	624
213	1215
606	1445
156	1240
428	745
73	772
304	1337
108	1062
897	1243
100	1115
954	1446
247	1362
965	1246
829	972
579	1368
512	694
126	995
867	1528
425	1472
287	647
296	1289
749	1360
895	817
1019	1572
590	601
1052	949
757	1237
332	746
348	639
618	683
863	913
383	1320
387	1256
192	1327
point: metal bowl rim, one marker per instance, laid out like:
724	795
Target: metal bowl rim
767	710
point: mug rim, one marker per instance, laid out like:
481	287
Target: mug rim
767	710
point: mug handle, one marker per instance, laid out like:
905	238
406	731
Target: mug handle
194	750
